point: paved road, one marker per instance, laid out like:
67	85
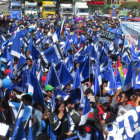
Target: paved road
4	7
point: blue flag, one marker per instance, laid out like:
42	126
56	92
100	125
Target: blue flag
30	131
51	54
16	47
5	57
86	111
37	92
64	75
128	78
56	34
19	132
118	80
52	77
85	73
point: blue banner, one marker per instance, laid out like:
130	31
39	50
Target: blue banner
15	15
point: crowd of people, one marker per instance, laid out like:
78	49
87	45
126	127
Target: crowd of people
58	103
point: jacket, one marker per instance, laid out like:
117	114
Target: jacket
60	127
99	116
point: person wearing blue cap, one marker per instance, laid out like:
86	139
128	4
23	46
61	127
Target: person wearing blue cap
103	114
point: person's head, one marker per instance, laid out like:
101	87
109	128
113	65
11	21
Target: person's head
124	98
27	53
92	101
104	103
58	98
27	99
29	61
49	90
109	97
89	92
135	95
94	29
59	107
69	103
16	60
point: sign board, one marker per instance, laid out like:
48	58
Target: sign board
95	2
107	36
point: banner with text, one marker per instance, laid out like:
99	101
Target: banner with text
126	127
132	31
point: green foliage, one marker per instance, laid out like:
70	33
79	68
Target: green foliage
39	2
130	5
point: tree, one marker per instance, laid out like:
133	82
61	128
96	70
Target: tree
130	5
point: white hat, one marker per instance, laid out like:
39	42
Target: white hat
91	98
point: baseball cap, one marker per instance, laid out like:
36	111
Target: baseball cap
91	99
103	100
48	88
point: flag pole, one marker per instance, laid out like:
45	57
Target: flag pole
27	121
89	69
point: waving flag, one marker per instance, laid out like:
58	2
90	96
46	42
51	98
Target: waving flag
19	132
77	85
16	107
74	39
51	54
5	57
35	89
86	111
85	73
56	35
52	77
128	78
67	45
22	61
69	63
30	132
31	43
126	57
64	75
136	78
16	47
118	80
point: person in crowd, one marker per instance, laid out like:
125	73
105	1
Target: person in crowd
37	119
124	106
48	99
103	115
61	123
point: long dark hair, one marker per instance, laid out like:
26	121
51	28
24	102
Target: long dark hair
58	104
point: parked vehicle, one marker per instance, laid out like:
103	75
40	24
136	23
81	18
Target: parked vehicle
66	11
48	8
81	9
31	9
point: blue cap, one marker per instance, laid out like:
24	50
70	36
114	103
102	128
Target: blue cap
103	100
